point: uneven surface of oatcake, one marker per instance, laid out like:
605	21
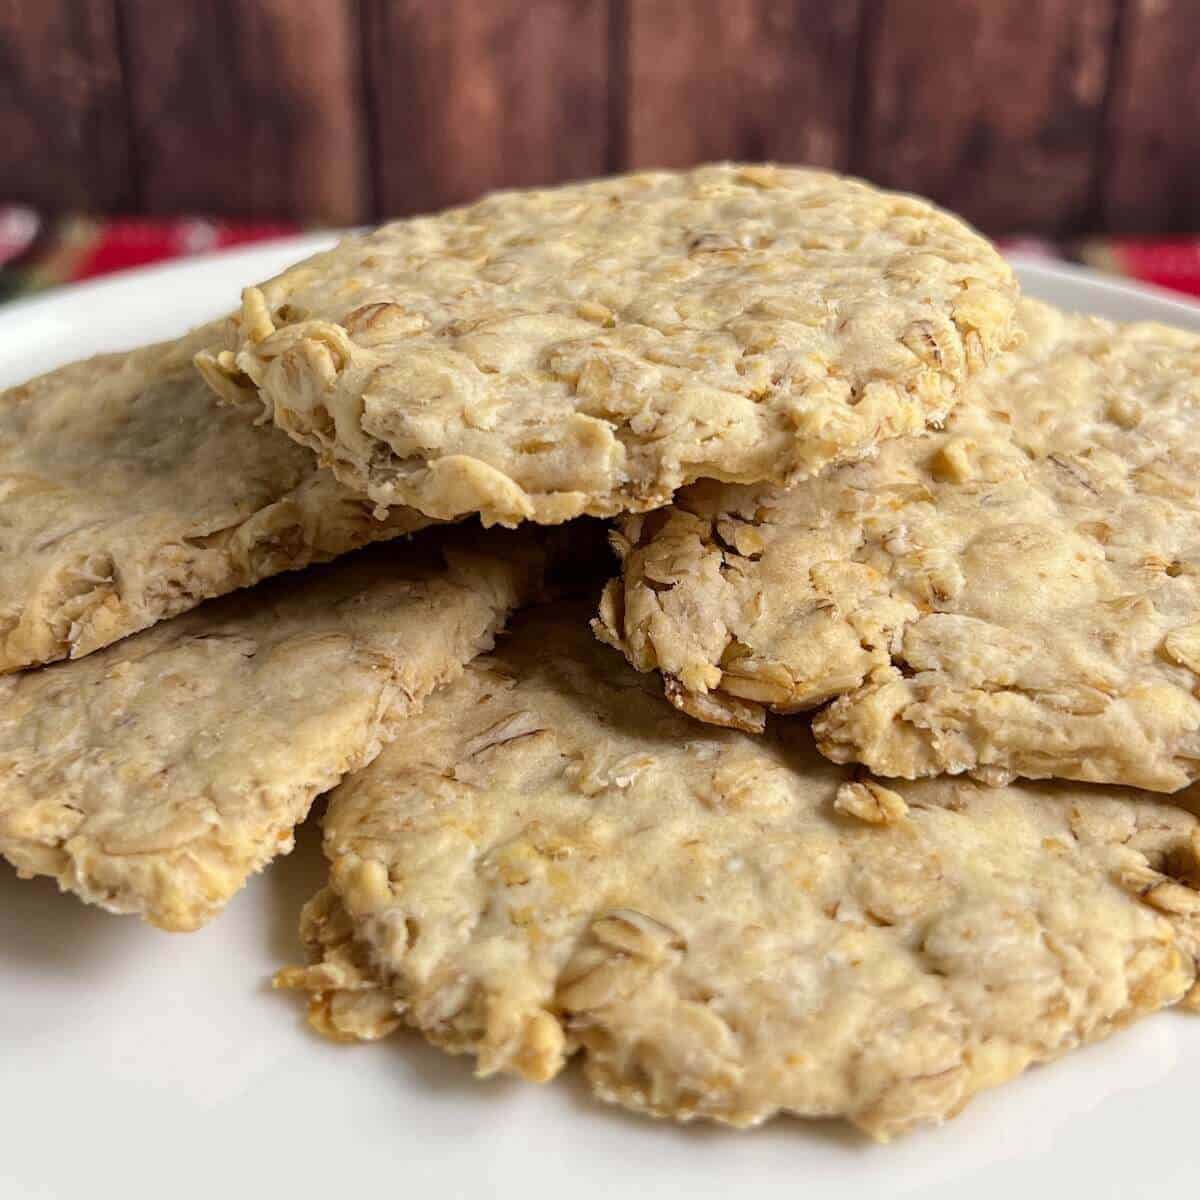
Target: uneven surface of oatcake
554	860
591	348
156	775
1018	594
129	495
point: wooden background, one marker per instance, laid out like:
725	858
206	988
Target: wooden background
1052	116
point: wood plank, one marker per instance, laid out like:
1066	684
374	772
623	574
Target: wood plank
64	139
740	79
1152	180
469	96
248	107
995	110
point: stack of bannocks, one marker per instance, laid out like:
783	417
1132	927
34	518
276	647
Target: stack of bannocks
866	780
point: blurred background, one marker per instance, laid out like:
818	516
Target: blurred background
1045	117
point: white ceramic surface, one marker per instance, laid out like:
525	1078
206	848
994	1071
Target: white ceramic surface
139	1064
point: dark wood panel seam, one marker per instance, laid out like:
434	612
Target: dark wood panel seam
135	187
860	101
619	99
369	99
1118	45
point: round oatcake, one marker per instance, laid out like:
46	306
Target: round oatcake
157	774
130	495
553	860
1017	594
589	349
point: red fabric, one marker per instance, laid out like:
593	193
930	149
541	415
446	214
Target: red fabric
1168	262
36	253
135	243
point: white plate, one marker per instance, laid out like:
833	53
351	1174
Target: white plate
138	1064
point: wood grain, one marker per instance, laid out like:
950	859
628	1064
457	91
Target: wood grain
63	135
248	107
470	95
994	109
1040	115
1152	180
740	79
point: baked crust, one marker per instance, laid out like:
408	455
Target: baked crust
723	926
156	775
1017	594
588	349
128	495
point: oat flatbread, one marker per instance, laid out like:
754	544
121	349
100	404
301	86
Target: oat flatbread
128	495
727	926
590	348
1017	594
156	775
